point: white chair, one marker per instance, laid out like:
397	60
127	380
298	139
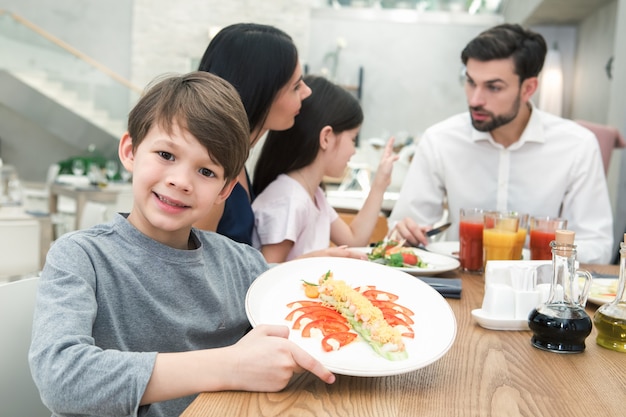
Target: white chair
36	199
93	213
123	203
20	247
36	194
18	394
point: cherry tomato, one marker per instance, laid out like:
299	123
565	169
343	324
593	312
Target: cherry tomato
343	338
380	295
409	258
311	291
327	326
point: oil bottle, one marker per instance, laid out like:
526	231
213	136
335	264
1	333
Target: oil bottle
610	319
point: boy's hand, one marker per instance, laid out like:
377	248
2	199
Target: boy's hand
268	360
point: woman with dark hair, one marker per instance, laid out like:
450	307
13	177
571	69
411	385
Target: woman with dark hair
292	216
261	62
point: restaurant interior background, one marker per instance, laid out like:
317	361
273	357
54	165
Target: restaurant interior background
407	52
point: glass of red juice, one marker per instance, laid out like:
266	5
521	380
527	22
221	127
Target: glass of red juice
471	239
542	232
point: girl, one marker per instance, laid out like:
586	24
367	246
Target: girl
292	215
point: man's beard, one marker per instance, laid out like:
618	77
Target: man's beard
494	122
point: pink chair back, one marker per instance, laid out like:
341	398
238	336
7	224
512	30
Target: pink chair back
608	137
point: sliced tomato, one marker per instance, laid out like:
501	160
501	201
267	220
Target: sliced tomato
302	303
307	309
318	315
365	288
394	306
380	295
342	338
394	320
390	311
326	326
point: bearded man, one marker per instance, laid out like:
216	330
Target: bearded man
505	154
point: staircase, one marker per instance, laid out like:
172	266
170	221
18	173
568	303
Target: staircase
77	101
71	100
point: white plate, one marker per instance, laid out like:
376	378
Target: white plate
434	327
492	323
451	248
602	290
436	263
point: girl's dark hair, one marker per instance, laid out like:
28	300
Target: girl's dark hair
204	105
258	60
297	147
527	48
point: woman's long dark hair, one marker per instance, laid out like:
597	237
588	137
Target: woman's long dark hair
258	60
297	147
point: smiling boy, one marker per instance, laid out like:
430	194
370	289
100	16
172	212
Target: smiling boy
135	316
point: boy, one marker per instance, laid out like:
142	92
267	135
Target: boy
145	309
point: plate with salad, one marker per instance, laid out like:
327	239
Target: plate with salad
417	320
603	290
415	261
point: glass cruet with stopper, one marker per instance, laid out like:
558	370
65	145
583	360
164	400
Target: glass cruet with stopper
561	324
610	319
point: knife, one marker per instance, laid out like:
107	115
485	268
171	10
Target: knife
437	230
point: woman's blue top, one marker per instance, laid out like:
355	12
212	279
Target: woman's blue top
237	221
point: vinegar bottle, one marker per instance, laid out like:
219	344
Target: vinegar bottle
610	319
561	324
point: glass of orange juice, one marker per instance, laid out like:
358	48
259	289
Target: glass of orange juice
500	236
522	231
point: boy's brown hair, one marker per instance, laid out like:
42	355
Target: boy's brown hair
204	105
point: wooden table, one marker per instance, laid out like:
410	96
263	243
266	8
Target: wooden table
82	194
485	373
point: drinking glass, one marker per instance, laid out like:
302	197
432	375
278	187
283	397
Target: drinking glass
500	236
542	232
111	169
522	231
126	176
471	239
78	167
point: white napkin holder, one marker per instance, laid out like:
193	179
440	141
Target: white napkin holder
514	288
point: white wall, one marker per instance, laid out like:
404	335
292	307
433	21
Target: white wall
100	29
170	36
617	117
411	63
595	47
